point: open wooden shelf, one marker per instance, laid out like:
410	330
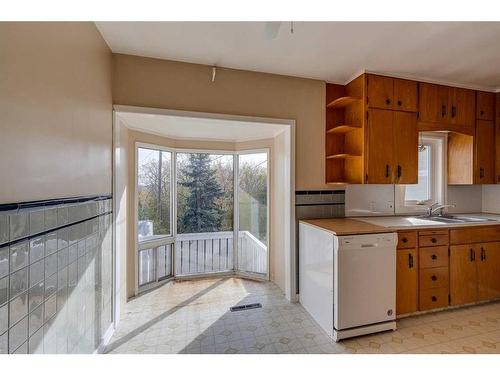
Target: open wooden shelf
343	101
343	156
342	129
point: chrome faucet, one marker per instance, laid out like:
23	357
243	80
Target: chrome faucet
435	207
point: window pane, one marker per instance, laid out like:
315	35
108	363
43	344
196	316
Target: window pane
164	261
147	266
205	200
422	190
252	195
153	191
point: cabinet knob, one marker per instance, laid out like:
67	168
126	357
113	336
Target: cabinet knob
434	298
434	257
399	102
387	101
434	278
433	240
404	240
481	112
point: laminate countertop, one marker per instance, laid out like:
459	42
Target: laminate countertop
388	224
346	227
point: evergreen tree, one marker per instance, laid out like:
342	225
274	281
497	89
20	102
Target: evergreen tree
202	210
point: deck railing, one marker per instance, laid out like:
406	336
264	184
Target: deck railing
203	253
198	253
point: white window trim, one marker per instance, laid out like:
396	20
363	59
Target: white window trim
439	162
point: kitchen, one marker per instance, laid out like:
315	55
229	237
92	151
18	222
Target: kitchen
422	230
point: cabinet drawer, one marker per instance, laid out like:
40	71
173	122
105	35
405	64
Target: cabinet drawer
433	239
432	257
433	298
432	278
407	240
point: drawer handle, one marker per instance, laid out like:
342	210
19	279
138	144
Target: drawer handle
434	298
434	240
434	257
434	278
472	255
400	102
404	240
387	101
410	261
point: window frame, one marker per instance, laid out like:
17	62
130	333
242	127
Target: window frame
438	163
167	238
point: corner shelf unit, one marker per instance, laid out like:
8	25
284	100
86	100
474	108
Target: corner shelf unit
344	133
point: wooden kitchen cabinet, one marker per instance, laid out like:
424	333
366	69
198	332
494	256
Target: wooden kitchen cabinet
485	106
433	103
488	271
462	108
463	274
392	93
392	155
406	281
446	108
380	156
484	146
405	138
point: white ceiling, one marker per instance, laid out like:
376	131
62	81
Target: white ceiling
463	53
199	128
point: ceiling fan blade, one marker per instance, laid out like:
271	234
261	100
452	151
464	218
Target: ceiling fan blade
271	30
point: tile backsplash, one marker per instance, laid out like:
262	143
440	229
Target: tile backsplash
55	275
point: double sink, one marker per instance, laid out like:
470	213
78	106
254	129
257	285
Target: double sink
458	219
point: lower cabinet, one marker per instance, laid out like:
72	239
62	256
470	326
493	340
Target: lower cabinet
406	281
429	277
474	272
488	271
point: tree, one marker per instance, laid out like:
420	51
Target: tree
154	192
202	210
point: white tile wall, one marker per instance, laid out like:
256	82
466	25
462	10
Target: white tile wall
466	198
378	200
491	199
369	200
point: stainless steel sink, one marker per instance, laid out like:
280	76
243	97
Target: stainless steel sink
459	219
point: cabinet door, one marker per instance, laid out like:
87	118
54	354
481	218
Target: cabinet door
380	92
485	106
405	95
463	274
484	163
405	147
380	147
462	107
406	281
488	267
433	103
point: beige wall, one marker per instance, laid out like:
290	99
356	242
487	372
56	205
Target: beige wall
55	111
147	82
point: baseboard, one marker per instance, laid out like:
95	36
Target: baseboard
105	340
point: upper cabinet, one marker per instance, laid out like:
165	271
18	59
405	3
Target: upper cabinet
391	93
392	156
485	106
372	126
446	108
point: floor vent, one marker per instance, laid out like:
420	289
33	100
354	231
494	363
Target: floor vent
246	307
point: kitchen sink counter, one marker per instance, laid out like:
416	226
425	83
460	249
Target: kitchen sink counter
407	222
347	227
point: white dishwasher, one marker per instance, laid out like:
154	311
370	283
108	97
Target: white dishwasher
364	297
348	283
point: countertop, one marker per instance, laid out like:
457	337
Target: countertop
387	224
346	227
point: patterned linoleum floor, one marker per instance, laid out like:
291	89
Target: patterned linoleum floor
193	317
